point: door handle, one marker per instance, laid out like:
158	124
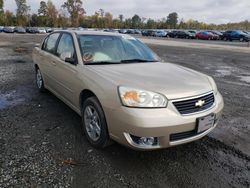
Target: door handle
53	63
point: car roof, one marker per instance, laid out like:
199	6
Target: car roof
88	32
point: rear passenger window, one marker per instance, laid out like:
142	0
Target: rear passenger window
50	43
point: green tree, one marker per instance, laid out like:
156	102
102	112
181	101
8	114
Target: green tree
172	20
128	23
22	12
101	11
1	6
62	20
108	20
151	24
43	10
52	14
42	18
22	8
9	18
121	17
34	20
1	13
75	9
136	21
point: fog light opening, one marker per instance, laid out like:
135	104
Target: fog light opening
145	141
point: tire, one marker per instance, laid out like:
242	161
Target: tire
241	39
39	81
94	123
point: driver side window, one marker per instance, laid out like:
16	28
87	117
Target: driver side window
66	45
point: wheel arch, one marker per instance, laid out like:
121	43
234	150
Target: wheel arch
85	94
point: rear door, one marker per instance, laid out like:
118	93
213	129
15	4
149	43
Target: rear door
46	59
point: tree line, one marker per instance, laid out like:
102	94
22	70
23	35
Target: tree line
72	14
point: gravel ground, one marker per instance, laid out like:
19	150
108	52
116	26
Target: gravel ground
41	144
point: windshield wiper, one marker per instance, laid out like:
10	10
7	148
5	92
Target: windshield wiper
137	61
102	63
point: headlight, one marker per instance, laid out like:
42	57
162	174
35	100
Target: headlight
140	98
213	85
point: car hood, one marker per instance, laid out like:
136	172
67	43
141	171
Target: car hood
171	80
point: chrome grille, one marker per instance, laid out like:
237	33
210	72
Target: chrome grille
189	106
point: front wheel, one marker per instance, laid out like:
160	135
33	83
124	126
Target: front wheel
94	123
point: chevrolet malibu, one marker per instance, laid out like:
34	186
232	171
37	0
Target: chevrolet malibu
124	92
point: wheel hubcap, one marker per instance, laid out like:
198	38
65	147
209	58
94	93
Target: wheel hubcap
92	123
39	80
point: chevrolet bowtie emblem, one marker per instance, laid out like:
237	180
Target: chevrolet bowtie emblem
200	103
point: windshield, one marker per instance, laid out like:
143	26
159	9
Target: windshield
114	49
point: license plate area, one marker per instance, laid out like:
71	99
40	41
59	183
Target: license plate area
205	123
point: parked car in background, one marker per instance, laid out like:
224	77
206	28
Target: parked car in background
218	33
32	30
205	35
1	28
49	30
193	32
28	29
130	31
123	31
145	32
137	31
247	32
8	29
110	30
236	35
184	34
19	30
149	32
160	33
42	30
172	34
96	74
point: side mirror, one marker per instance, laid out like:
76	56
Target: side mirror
67	57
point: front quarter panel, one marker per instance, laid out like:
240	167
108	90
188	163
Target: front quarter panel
104	89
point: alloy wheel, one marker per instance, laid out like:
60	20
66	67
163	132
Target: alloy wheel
92	123
39	79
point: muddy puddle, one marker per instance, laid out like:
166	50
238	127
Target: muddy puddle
10	99
14	97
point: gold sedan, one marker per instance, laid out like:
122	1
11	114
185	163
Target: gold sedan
124	92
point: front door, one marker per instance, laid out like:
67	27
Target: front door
66	72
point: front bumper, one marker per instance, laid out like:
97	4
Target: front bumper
160	123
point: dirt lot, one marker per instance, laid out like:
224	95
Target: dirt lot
41	144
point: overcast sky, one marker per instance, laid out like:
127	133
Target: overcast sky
210	11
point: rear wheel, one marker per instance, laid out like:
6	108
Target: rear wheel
94	123
39	81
